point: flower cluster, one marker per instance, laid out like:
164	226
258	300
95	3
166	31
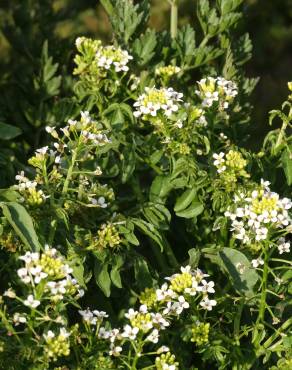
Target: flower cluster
87	129
167	71
155	101
95	59
283	246
57	345
166	361
75	143
28	189
92	317
159	307
107	237
110	56
232	163
216	91
48	267
257	212
200	333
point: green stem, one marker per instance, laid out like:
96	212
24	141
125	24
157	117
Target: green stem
69	173
237	321
264	287
173	19
277	333
282	133
52	233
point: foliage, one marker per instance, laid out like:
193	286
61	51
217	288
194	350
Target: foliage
145	176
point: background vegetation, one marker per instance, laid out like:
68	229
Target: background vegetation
25	24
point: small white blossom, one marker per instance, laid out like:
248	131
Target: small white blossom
257	262
19	319
31	302
153	336
130	332
208	304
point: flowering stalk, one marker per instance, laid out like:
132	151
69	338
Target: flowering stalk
282	132
262	308
173	18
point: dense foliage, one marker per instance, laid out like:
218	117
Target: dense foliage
145	177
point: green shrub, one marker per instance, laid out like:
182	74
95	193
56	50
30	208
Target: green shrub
149	178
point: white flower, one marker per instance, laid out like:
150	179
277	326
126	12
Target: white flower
219	162
19	319
257	262
208	287
284	247
115	350
88	316
57	288
9	293
158	319
64	333
153	336
100	314
162	349
103	333
130	332
38	273
49	335
165	293
187	269
207	303
101	202
42	150
261	233
31	302
23	274
219	159
30	257
143	308
194	289
131	314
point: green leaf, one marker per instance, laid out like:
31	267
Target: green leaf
144	47
118	114
9	195
8	132
102	277
185	199
22	224
115	272
157	214
286	160
142	274
245	280
108	7
194	257
194	210
128	163
149	230
227	6
229	20
78	271
127	18
116	277
160	188
185	43
128	232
